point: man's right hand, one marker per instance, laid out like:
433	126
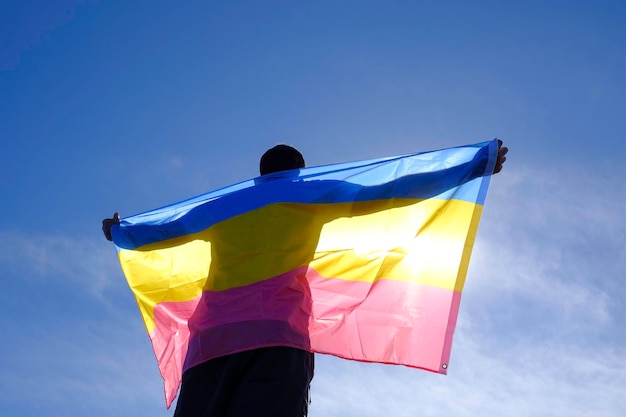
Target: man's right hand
108	223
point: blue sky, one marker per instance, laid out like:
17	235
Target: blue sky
126	106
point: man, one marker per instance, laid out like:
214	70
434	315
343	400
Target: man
271	381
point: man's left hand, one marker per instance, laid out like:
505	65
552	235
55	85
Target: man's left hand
502	151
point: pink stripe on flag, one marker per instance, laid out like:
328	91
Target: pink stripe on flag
388	321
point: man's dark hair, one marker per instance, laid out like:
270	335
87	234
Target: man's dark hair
281	158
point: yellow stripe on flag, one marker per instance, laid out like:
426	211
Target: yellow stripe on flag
421	241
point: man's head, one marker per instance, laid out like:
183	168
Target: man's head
281	158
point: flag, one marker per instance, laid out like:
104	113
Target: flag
363	260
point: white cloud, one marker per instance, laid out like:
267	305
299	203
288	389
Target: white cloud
553	237
89	264
527	379
82	366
